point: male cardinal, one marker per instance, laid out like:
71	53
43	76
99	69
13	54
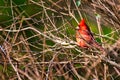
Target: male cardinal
85	38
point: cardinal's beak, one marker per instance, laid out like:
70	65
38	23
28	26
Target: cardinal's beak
77	28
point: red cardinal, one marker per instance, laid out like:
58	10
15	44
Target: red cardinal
84	37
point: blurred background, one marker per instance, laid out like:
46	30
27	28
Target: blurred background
37	40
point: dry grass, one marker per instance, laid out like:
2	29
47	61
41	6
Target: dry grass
44	48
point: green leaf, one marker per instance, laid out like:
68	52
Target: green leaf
98	15
78	3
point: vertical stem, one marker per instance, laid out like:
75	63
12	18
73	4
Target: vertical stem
99	28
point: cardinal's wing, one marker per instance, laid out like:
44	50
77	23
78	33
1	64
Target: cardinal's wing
88	30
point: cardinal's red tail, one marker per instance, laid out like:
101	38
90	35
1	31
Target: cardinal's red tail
95	44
